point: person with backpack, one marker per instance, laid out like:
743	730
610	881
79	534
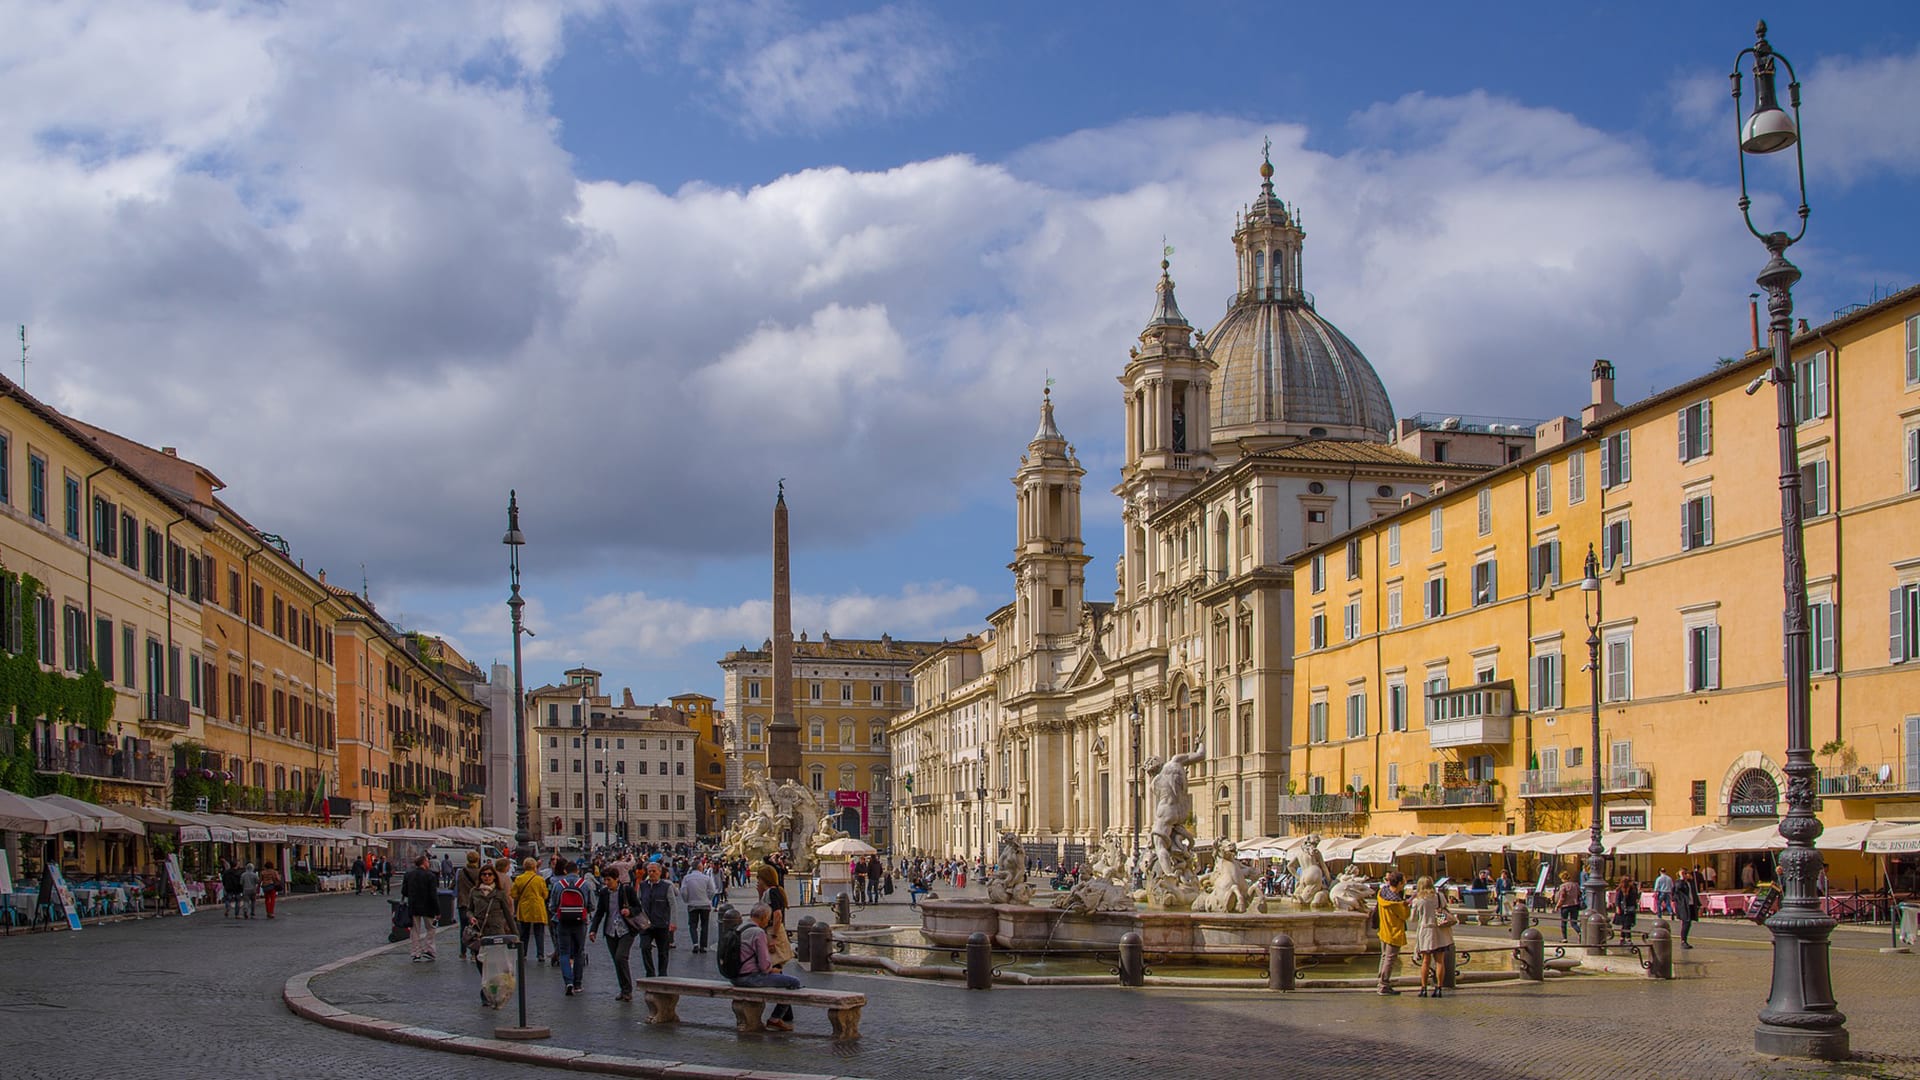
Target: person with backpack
270	884
746	961
464	883
656	912
618	913
569	891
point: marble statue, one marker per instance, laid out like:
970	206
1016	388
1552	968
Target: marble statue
1173	880
1227	887
1104	887
1349	892
1310	876
1008	883
824	833
773	812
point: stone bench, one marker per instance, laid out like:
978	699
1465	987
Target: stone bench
749	1003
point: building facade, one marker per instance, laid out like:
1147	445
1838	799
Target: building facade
846	693
1243	445
611	772
1445	682
709	760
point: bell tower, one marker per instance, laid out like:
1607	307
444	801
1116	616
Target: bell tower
1049	562
1169	385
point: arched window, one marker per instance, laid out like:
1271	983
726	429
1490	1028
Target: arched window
279	778
1183	721
260	774
817	777
1259	271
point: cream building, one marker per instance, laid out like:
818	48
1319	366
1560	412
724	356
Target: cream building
1243	445
603	770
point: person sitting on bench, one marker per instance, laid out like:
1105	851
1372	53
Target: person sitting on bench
756	966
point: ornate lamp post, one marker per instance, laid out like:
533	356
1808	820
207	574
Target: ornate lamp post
1593	929
1801	1018
515	540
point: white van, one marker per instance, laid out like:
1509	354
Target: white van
458	853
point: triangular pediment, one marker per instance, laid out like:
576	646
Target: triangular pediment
1087	668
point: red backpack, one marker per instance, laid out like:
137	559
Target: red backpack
573	900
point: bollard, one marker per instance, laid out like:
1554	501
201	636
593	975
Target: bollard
1280	974
979	961
1449	968
843	909
803	941
1531	956
1660	952
1133	961
822	948
1519	921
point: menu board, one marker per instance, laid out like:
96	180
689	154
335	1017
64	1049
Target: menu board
6	873
178	884
64	895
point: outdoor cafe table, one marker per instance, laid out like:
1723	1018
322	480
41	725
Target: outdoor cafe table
335	882
1728	903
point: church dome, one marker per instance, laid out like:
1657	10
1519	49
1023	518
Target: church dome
1283	369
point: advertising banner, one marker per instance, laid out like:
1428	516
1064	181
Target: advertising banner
858	800
64	897
177	882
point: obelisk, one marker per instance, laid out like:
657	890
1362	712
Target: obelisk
783	735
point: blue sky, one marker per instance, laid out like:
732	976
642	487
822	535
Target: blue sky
641	258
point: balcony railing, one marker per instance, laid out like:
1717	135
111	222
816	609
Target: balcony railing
1321	805
1548	783
1478	715
89	759
1867	781
162	709
1447	798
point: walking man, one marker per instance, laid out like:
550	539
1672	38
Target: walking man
420	889
1393	928
569	891
1663	893
656	911
697	890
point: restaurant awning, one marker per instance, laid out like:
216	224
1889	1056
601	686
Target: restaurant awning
1678	842
1435	845
1382	849
1897	840
110	820
1497	843
23	815
1765	838
190	829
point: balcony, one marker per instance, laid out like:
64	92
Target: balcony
1478	715
102	762
1311	806
1867	782
1450	798
164	711
250	800
1557	783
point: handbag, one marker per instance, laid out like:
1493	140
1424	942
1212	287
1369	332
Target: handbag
779	947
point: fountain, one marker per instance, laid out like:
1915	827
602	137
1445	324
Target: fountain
1219	917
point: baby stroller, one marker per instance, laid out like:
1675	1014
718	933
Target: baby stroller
402	921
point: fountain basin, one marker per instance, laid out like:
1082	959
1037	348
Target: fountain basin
1027	928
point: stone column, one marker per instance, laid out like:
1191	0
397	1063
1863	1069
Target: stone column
783	734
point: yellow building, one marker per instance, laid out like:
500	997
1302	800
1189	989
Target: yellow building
100	590
709	763
1442	646
845	692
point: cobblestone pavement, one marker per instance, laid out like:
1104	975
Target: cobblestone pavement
199	997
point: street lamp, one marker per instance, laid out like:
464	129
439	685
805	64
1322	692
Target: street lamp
522	836
1593	929
515	540
1801	1018
606	797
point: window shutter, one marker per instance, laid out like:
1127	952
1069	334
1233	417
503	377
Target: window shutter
1820	385
1626	542
1683	433
1706	520
1828	643
1686	525
1706	427
1493	580
1896	627
1693	652
1913	460
1713	657
1625	465
1820	476
1534	555
1553	561
1558	675
1606	463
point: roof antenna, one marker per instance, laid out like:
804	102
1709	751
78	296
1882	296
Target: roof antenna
364	595
23	356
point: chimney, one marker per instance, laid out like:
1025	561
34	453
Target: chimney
323	577
169	451
1603	404
626	697
1753	319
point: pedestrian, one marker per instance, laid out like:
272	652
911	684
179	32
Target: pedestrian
1390	907
250	888
1686	905
656	912
230	889
1626	907
1432	927
529	896
270	884
568	890
1663	893
359	875
446	869
1566	897
779	947
1502	888
464	883
753	962
697	889
420	889
618	914
489	914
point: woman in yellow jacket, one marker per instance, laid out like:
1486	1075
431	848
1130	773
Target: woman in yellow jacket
1391	907
529	895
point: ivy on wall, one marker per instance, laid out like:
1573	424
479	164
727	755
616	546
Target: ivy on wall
28	693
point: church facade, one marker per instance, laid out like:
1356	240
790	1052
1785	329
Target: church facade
1244	445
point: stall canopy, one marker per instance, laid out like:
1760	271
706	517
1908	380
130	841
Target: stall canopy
1764	838
1435	845
191	831
1381	849
23	815
1580	841
460	834
109	820
1897	840
1495	844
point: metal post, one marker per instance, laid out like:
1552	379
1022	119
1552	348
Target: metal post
843	909
1280	971
1133	961
522	835
1660	952
1449	968
803	940
822	947
1520	919
979	961
1593	928
521	1030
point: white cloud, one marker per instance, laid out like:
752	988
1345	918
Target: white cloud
635	624
882	63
